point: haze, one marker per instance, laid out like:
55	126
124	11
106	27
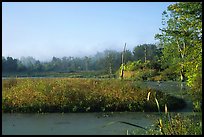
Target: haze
43	30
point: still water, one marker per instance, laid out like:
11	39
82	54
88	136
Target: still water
75	123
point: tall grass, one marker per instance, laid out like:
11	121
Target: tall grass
172	125
80	95
176	125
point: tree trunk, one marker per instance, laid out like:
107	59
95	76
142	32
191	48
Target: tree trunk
110	69
122	69
182	74
182	56
122	72
145	51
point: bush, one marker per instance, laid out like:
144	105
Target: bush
141	75
196	92
80	95
9	83
169	74
178	125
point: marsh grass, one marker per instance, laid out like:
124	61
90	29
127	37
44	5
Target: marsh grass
81	95
177	124
10	83
174	124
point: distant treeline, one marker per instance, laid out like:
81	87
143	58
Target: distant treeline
101	61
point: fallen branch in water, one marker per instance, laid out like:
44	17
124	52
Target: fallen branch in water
132	124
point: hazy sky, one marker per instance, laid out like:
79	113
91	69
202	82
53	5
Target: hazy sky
43	30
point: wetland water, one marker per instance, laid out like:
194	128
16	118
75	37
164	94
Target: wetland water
89	123
74	123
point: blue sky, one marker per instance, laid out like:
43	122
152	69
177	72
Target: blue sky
43	30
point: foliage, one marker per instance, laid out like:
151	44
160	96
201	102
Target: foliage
100	62
152	52
178	125
80	95
169	124
131	66
141	71
147	63
182	34
169	74
182	43
9	64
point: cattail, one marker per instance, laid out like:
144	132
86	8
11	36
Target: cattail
160	123
157	104
148	95
166	109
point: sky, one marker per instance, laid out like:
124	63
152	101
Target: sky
43	30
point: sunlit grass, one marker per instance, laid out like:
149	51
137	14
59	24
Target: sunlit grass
176	124
80	95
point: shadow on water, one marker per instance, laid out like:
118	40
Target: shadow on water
178	89
73	123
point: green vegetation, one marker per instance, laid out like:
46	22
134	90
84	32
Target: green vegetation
181	39
172	124
80	95
177	57
177	125
106	62
81	74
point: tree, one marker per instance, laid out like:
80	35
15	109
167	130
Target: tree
180	34
28	62
3	63
123	63
138	53
87	62
9	64
109	61
146	52
21	67
182	41
128	56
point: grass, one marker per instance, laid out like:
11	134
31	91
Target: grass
174	125
78	74
177	124
81	95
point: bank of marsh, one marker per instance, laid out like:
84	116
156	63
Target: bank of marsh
81	95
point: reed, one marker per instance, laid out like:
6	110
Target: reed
177	125
79	95
168	125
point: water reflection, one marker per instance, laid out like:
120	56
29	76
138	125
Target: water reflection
74	123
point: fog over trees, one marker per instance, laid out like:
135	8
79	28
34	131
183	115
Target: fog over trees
101	61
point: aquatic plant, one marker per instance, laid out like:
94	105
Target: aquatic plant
81	95
171	125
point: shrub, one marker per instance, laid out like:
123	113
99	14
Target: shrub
8	83
169	74
178	125
80	95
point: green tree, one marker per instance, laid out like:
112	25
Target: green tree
9	64
87	62
146	52
181	39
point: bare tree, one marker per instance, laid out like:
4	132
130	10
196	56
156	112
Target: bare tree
122	68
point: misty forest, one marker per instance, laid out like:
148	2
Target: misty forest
164	78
